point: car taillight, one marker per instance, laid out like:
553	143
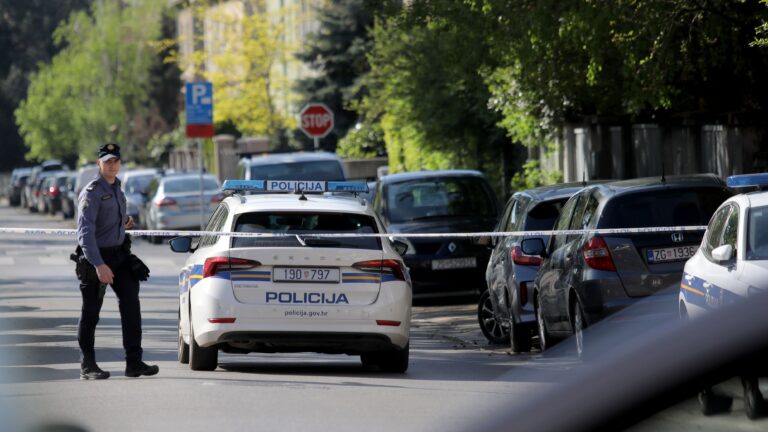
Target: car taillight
597	255
384	266
518	257
214	265
217	198
54	191
165	202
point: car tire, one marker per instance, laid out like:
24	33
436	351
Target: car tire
395	361
492	328
579	323
200	358
712	403
183	350
754	403
544	338
519	336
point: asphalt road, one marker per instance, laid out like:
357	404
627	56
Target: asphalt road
454	376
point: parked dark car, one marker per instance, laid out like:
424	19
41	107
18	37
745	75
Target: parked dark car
293	166
505	310
19	178
450	201
585	278
38	191
52	191
69	197
136	184
29	197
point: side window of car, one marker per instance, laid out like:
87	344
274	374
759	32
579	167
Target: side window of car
504	221
577	221
564	221
715	230
519	213
731	229
214	224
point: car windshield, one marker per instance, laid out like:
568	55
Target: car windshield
140	183
189	184
757	234
662	208
439	197
310	170
304	225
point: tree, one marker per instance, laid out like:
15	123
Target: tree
25	41
97	87
426	89
336	54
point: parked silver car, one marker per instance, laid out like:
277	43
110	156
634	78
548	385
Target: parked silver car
174	202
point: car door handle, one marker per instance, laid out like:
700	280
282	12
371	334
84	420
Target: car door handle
688	277
706	285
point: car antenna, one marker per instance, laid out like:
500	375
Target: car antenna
302	197
663	177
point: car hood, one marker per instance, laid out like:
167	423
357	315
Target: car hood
444	225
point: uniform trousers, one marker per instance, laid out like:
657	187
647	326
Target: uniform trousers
126	287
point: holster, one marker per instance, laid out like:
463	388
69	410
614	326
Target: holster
139	269
85	271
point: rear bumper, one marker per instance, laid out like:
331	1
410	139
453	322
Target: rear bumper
350	329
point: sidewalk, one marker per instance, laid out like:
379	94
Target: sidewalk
454	324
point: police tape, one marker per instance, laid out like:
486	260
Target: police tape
543	233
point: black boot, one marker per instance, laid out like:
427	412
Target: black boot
141	368
93	373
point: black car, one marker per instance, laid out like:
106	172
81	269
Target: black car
507	305
30	192
587	277
19	178
450	201
68	197
53	190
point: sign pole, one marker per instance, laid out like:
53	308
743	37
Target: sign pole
200	164
317	143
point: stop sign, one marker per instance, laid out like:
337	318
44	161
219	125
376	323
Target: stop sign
316	120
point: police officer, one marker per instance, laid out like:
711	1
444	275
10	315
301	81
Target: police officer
101	226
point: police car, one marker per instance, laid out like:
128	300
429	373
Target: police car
287	288
732	261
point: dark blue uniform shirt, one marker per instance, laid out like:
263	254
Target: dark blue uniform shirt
102	218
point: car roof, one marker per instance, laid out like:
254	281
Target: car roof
187	176
750	199
644	184
281	158
417	175
140	171
343	203
556	191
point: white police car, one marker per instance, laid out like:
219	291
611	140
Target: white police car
290	289
732	262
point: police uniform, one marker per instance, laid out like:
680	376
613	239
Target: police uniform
102	239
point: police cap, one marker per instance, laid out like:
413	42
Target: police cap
109	151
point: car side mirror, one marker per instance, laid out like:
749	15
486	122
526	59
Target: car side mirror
400	247
722	253
534	246
181	244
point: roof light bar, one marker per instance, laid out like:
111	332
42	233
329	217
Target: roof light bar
290	186
747	180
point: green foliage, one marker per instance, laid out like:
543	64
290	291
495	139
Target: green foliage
365	141
96	88
426	90
532	175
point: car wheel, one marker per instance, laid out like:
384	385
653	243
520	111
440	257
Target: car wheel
200	358
712	403
183	351
754	403
490	324
395	361
579	325
544	339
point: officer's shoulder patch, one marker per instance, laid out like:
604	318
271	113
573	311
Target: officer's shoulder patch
84	203
91	186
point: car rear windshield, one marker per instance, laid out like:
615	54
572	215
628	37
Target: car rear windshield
543	216
189	184
310	170
659	208
305	224
439	197
757	236
140	183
